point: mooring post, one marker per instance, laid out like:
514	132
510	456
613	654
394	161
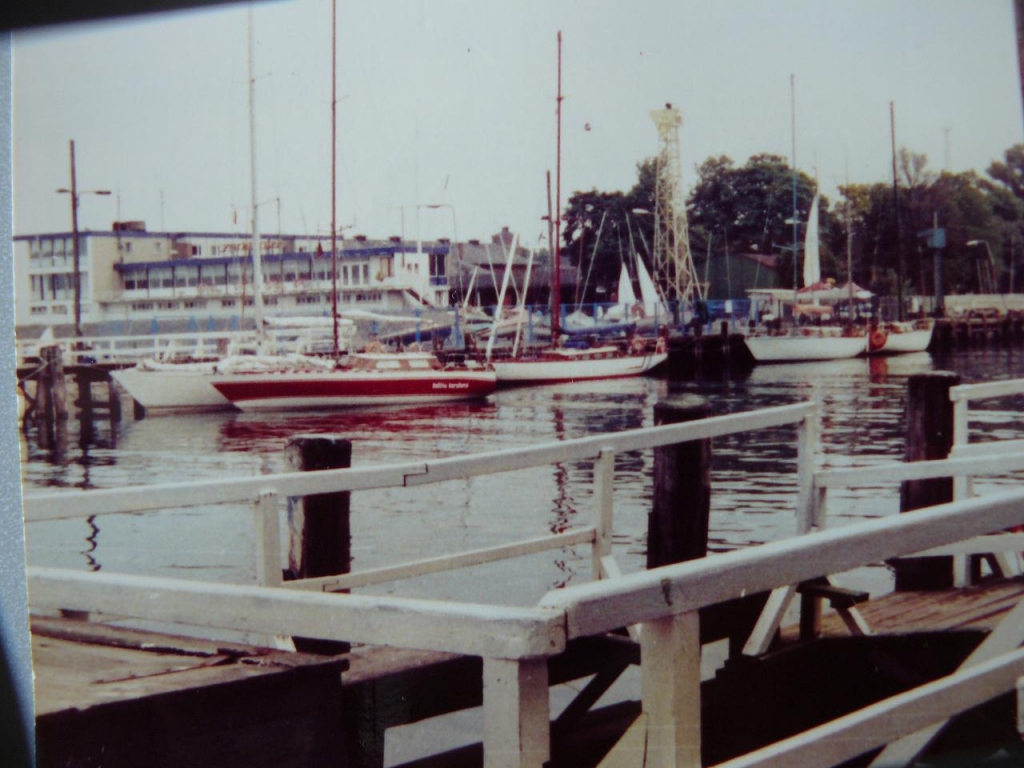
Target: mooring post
930	426
677	528
319	535
56	386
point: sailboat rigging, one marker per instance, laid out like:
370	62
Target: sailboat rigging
302	382
579	362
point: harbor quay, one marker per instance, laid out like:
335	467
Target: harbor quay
758	656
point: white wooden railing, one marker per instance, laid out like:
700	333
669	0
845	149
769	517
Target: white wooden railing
516	642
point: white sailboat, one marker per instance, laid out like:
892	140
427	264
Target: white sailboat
175	385
268	381
558	364
812	341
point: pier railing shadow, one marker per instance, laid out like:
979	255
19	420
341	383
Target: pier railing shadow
662	604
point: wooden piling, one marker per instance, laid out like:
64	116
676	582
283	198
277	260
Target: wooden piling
53	383
929	437
319	534
678	524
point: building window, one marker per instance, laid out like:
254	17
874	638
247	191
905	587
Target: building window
227	302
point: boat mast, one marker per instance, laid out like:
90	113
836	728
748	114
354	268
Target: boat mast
556	279
796	225
334	160
849	246
896	205
254	247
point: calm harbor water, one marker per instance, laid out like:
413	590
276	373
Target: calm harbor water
862	421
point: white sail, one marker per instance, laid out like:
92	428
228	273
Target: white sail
627	297
652	302
812	259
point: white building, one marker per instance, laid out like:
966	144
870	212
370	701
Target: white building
134	281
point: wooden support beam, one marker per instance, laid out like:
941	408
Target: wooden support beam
670	675
517	713
769	621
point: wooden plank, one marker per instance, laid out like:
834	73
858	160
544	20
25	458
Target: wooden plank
1012	449
443	562
979	607
986	390
630	440
600	606
996	542
124	697
481	630
898	471
61	506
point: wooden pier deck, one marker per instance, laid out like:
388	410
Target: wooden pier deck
253	706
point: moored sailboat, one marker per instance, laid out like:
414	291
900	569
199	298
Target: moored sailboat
385	378
811	341
575	361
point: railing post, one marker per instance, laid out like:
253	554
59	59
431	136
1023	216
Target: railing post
930	427
677	528
961	430
517	713
604	477
809	506
670	682
807	444
268	541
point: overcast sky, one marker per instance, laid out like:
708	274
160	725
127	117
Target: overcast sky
452	103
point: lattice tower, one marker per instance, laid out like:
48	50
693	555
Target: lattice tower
673	263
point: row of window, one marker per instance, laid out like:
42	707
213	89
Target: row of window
56	286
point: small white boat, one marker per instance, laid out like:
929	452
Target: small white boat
386	378
805	344
900	338
554	366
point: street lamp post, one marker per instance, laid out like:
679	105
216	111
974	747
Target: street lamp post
74	192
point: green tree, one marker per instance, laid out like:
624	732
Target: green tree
750	209
604	229
1006	194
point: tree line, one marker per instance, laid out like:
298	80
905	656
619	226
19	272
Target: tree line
748	209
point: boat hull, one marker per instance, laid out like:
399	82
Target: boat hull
297	391
903	342
548	370
804	348
185	388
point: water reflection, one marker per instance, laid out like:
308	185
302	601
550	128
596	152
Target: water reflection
863	402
